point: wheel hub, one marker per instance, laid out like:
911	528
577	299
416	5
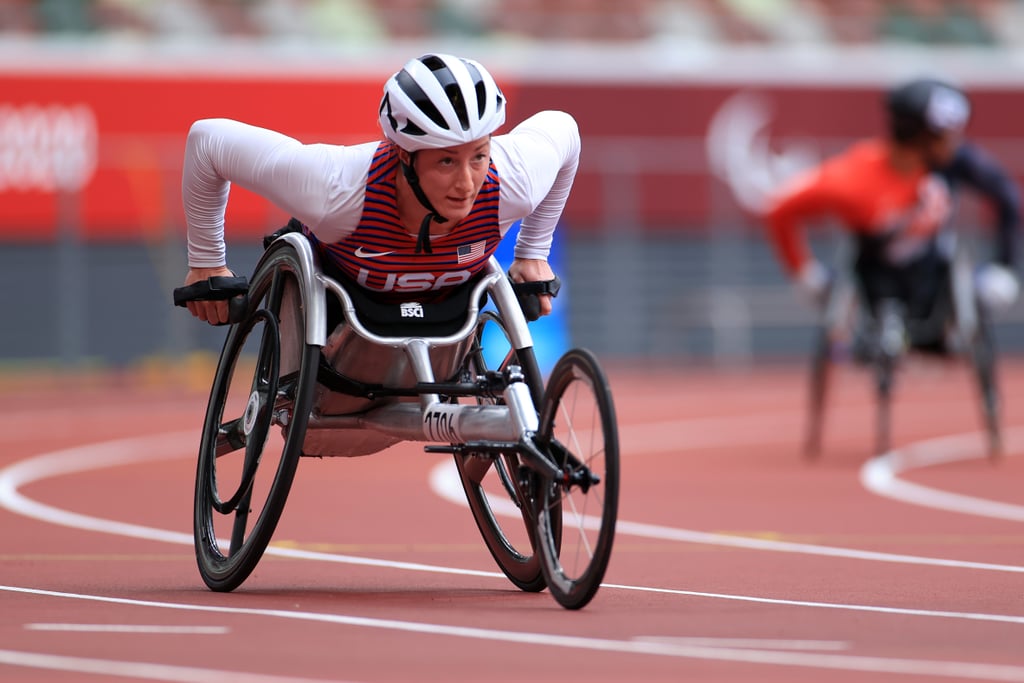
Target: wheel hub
252	411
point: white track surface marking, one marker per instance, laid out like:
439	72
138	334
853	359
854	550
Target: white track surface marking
168	446
138	670
158	629
444	481
880	475
947	669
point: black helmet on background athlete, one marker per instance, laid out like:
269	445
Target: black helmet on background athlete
926	108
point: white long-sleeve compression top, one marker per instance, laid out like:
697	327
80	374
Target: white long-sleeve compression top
324	185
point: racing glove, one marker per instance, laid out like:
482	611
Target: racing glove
812	281
997	287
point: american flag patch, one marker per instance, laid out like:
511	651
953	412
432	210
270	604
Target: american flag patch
471	252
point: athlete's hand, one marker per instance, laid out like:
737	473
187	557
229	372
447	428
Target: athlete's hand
533	270
997	287
213	312
812	281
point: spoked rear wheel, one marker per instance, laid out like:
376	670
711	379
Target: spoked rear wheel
492	484
255	424
576	513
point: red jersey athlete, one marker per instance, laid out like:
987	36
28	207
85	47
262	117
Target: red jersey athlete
411	216
885	193
882	193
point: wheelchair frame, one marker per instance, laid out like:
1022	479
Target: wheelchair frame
513	429
887	342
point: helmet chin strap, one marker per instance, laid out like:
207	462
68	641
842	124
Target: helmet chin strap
423	239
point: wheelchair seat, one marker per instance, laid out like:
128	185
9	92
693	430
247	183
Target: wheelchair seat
405	318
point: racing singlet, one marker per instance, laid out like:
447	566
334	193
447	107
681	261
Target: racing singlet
894	215
380	254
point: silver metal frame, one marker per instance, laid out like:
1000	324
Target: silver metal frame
429	420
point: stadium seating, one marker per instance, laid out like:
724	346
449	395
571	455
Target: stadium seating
928	22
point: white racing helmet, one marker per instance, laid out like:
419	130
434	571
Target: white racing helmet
438	101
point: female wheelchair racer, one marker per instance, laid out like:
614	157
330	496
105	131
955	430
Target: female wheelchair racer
365	319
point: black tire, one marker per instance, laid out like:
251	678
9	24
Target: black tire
838	323
982	356
884	378
974	331
820	380
576	513
255	425
892	344
492	484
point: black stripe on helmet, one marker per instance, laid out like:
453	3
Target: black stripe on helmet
481	89
413	91
446	78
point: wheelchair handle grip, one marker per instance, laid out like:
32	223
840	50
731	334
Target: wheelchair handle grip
233	289
527	293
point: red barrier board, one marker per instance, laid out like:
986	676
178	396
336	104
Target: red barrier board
101	153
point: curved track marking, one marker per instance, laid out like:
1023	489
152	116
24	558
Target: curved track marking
127	451
445	482
948	669
880	475
172	445
138	670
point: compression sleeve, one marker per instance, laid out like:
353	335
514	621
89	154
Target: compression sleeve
799	200
980	171
537	162
314	183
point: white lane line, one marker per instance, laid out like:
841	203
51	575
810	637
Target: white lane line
138	670
753	643
919	667
130	628
880	475
444	480
877	609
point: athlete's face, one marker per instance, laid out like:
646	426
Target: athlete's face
939	149
452	177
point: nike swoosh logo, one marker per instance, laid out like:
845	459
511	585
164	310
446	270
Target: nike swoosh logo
360	253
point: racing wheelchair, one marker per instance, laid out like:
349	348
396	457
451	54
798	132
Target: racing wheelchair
313	367
879	338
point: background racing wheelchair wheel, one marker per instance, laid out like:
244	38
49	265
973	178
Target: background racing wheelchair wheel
983	361
492	482
974	334
255	424
838	329
576	513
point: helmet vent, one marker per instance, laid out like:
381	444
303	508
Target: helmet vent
420	99
446	78
481	89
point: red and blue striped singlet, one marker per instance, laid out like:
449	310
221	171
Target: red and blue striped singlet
380	254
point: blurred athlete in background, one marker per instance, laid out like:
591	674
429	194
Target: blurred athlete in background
411	216
895	195
917	111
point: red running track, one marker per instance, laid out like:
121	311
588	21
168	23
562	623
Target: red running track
735	560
